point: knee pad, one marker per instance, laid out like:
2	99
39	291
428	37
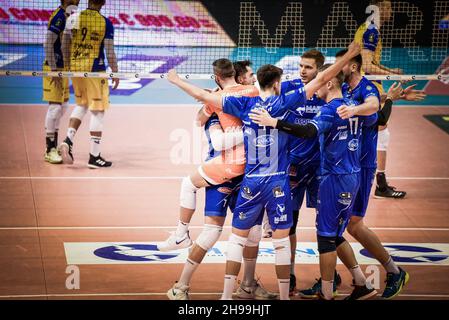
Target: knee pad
209	236
326	244
188	194
235	248
55	111
283	251
78	113
96	121
339	241
383	140
254	236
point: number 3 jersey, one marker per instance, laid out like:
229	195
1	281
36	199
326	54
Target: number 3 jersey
88	35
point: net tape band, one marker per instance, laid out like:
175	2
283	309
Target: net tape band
130	75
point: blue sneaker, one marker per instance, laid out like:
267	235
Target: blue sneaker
315	290
395	283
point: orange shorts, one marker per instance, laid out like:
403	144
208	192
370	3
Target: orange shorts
230	164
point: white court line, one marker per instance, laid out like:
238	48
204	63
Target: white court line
194	227
134	294
161	178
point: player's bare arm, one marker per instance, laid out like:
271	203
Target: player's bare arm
194	91
323	77
112	60
369	107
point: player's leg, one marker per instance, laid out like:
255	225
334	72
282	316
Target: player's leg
212	230
98	100
383	190
78	113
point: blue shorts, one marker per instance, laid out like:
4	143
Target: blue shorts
257	194
221	197
304	180
362	197
335	201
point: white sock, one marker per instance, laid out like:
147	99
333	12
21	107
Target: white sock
187	273
182	229
95	145
358	276
327	289
284	289
71	133
249	269
390	266
229	282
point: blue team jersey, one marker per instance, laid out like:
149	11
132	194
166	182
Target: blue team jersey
339	139
303	151
213	120
358	95
56	24
266	148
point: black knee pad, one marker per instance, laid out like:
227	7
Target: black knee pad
339	241
326	244
295	222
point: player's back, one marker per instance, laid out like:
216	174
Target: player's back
227	120
87	52
368	37
339	139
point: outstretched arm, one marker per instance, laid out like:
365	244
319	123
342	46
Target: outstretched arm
369	107
194	91
323	77
263	118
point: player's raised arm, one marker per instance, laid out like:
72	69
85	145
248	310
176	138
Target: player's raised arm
194	91
323	77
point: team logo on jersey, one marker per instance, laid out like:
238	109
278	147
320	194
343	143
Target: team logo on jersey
353	145
369	88
242	215
343	135
280	209
264	140
246	193
277	192
345	198
371	37
301	110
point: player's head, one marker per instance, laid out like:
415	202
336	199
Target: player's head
385	9
269	77
334	85
353	66
97	4
223	70
244	74
66	3
311	61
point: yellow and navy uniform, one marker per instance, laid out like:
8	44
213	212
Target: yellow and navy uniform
52	93
88	55
368	37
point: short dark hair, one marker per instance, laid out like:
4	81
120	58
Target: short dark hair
240	67
340	76
376	2
315	55
97	2
223	68
357	59
267	75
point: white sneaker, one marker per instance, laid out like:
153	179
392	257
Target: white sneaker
255	291
178	292
175	243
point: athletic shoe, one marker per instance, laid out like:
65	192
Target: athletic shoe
313	292
292	290
66	151
53	156
361	293
98	162
389	192
395	283
173	243
178	292
320	296
255	291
